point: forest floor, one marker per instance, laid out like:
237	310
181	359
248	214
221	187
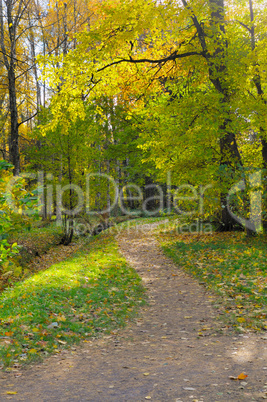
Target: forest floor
177	349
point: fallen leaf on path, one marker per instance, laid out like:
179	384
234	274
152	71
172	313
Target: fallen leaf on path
242	376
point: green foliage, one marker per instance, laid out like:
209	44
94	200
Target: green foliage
188	113
6	251
15	200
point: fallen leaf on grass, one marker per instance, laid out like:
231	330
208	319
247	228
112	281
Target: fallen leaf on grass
61	318
62	342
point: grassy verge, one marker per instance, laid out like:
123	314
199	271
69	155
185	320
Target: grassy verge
33	241
90	293
37	240
232	266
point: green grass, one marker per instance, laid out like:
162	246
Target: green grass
91	293
232	266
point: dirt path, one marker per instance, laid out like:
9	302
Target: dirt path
176	350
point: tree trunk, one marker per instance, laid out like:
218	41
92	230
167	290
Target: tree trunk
218	75
264	156
230	159
9	58
14	127
260	92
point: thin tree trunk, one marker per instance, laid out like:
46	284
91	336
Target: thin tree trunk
8	27
14	127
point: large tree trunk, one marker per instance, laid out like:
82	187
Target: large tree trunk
230	159
218	75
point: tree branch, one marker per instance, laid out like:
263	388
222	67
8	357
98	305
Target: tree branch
244	25
173	56
200	30
29	118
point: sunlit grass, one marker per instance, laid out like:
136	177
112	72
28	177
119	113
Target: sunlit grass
231	265
90	293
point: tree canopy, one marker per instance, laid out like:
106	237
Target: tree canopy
136	90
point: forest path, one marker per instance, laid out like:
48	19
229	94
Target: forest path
175	351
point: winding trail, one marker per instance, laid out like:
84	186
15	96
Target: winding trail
175	351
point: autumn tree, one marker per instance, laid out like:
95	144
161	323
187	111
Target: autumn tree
183	55
14	23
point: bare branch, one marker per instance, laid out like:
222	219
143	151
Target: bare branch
29	118
244	25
